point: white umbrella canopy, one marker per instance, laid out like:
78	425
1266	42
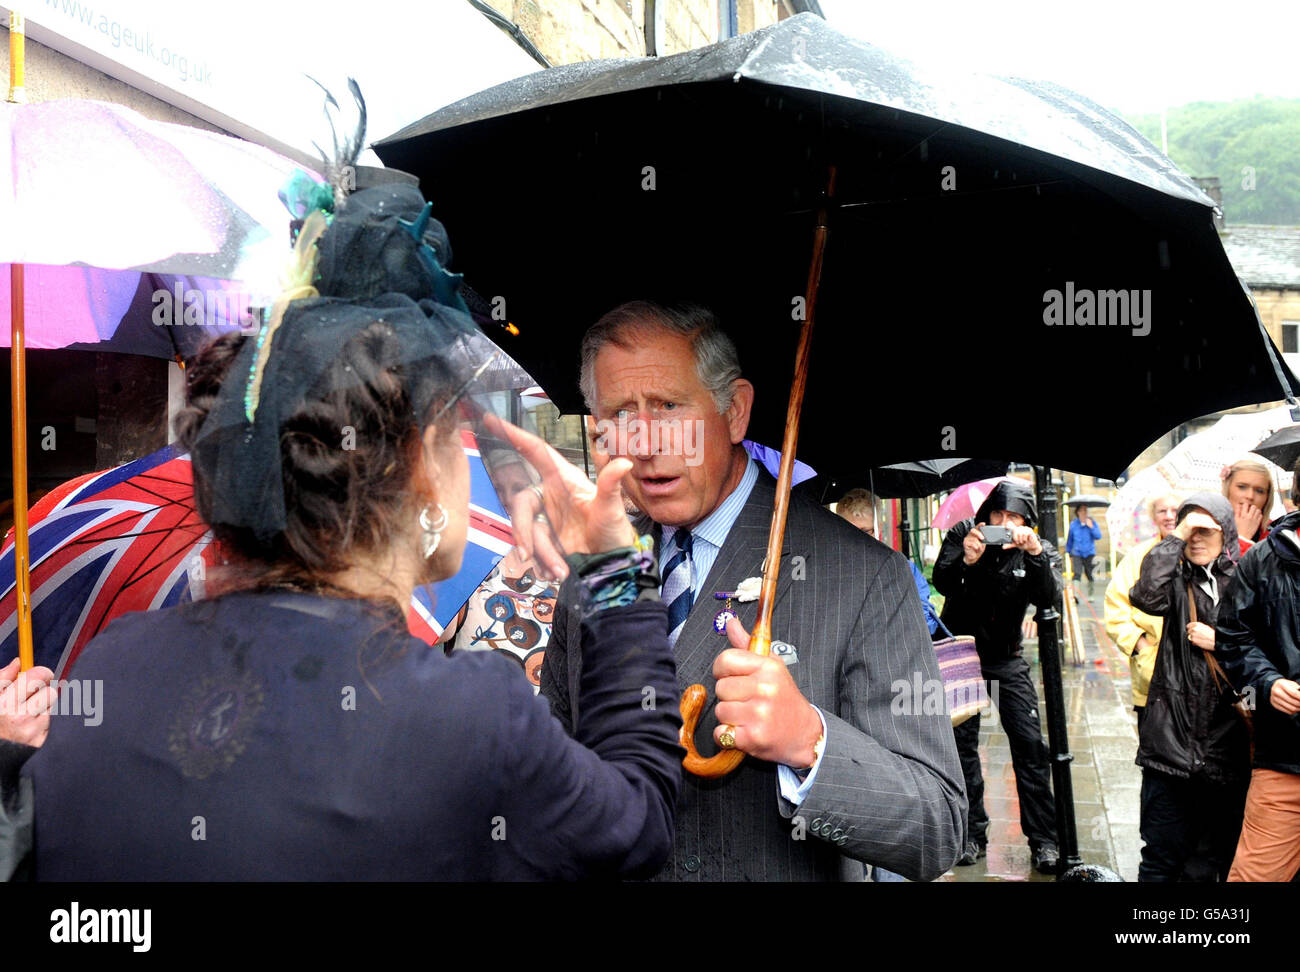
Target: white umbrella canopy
1194	464
97	184
98	196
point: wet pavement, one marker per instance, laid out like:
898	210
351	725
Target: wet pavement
1102	732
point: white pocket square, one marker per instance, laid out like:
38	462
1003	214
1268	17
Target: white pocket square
785	652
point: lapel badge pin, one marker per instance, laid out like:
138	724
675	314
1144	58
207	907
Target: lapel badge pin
726	614
747	591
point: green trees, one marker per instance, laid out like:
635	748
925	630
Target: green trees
1252	145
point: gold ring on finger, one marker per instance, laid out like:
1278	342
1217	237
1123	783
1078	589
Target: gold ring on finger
727	738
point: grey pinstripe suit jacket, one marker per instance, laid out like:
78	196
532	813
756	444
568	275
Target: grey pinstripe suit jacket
889	790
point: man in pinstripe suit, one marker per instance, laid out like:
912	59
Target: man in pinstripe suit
847	762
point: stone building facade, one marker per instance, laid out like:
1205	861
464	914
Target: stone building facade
581	30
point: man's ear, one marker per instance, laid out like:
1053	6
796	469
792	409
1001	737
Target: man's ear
742	404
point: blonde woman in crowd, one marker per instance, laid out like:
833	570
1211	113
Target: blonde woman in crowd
1249	488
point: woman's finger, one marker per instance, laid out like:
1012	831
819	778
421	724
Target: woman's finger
566	492
609	481
523	511
579	512
605	519
548	556
549	464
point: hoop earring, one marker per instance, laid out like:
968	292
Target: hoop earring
431	533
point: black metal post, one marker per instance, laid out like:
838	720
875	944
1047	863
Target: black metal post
904	525
1049	657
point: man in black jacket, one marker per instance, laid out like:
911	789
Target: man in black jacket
1259	646
986	590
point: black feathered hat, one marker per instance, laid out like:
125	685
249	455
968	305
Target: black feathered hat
379	258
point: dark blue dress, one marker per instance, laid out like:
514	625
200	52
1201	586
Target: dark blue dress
283	735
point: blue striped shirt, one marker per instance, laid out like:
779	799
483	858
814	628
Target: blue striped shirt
711	532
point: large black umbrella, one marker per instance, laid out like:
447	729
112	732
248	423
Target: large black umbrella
988	229
909	480
1087	499
965	206
1282	448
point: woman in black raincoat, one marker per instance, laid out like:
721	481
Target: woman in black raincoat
1194	749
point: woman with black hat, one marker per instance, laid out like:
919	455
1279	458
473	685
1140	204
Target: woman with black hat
291	727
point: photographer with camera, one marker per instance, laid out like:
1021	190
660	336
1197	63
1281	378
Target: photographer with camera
990	569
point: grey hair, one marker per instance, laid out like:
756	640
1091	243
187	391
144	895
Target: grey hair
717	363
1153	500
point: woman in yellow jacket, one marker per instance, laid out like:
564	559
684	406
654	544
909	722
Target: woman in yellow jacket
1138	633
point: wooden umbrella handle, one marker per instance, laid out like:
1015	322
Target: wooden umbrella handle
760	639
692	706
711	767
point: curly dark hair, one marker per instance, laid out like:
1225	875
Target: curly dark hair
340	501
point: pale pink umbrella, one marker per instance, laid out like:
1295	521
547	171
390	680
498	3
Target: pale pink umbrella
94	197
963	501
94	185
98	185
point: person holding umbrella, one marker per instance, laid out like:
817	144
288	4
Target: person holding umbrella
1081	543
25	702
843	762
987	586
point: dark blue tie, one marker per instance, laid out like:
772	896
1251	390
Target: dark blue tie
676	590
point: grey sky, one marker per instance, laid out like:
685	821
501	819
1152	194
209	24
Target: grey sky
1131	55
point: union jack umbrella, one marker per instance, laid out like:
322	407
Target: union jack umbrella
126	539
434	605
129	539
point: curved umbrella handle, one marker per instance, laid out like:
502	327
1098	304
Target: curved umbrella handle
692	705
711	767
